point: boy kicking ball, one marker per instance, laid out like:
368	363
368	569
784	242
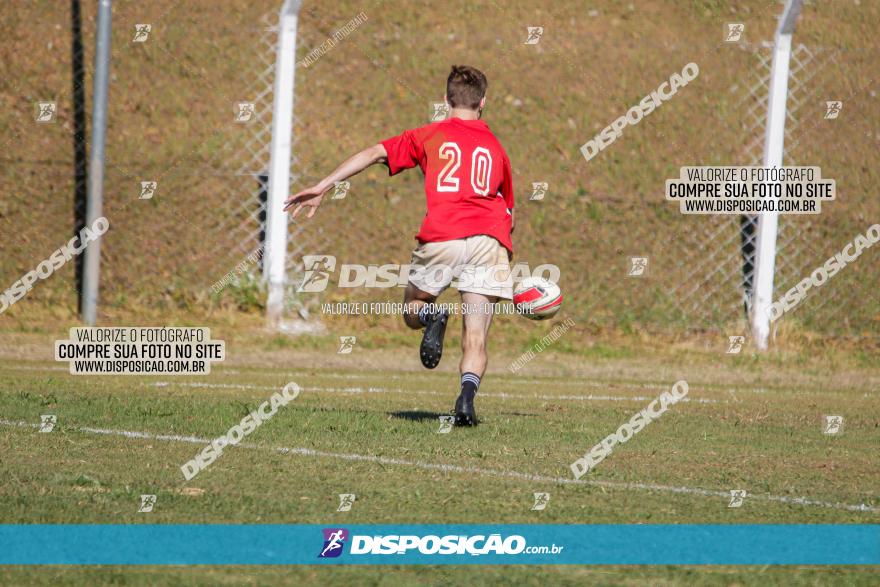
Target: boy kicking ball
469	192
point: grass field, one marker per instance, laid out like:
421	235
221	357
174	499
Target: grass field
366	423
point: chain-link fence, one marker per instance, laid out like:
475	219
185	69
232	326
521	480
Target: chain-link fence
190	128
802	244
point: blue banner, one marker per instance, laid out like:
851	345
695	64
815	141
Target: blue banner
221	544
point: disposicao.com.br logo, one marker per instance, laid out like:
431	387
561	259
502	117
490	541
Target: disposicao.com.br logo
430	544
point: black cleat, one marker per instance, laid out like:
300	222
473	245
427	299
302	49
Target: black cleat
432	340
464	411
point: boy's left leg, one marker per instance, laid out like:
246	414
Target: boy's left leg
435	262
477	310
420	313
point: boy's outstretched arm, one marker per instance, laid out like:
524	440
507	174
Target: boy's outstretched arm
311	197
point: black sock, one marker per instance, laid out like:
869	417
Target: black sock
470	383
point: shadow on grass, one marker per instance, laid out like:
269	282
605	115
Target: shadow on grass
422	416
419	415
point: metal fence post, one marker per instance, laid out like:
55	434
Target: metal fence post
92	260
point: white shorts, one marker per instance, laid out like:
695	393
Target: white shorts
476	264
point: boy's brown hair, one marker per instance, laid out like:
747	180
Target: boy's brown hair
465	87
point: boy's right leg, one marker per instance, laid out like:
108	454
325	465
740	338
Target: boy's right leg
477	310
484	282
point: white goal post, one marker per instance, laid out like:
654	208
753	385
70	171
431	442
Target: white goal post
774	147
275	254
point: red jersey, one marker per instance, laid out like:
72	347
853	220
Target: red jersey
468	184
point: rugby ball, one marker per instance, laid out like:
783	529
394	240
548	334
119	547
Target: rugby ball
537	298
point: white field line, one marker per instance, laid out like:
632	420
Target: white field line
308	452
361	390
509	379
220	371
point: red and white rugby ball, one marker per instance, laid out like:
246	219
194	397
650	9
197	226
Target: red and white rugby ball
537	298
